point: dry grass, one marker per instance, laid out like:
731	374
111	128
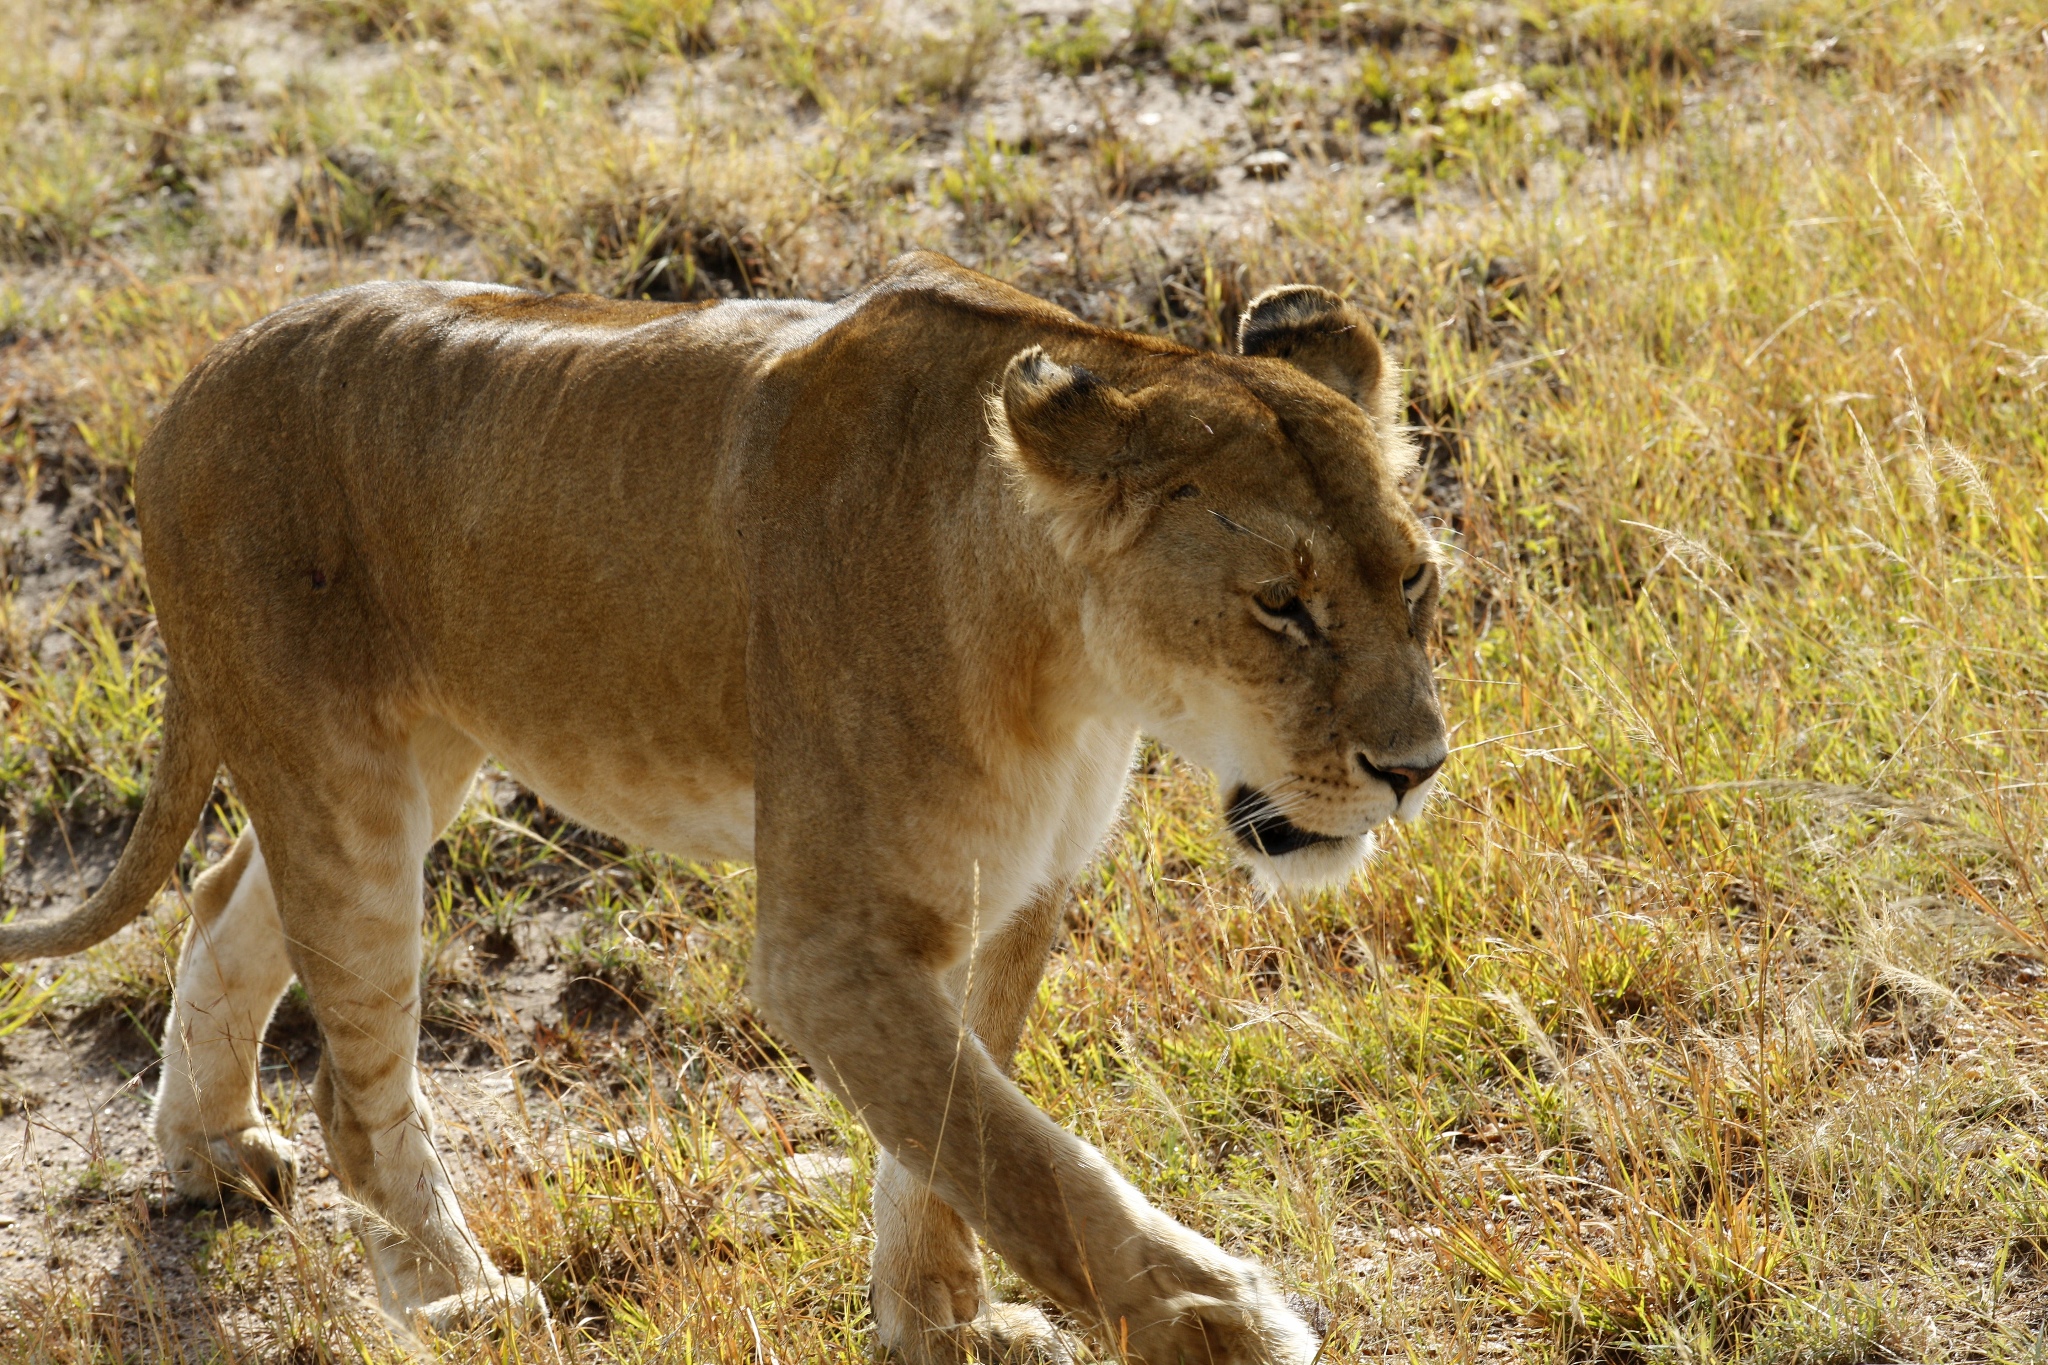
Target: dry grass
1701	1022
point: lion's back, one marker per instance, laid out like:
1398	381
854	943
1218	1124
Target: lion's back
384	472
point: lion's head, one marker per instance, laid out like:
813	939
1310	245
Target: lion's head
1257	589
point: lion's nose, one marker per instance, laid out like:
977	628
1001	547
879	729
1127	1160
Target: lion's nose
1402	779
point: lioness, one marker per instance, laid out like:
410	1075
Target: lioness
877	595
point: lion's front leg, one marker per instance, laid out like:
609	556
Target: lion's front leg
858	990
931	1304
930	1301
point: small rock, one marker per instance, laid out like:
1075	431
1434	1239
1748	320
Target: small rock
220	75
621	1144
53	648
1271	164
819	1173
780	1193
1504	270
1492	99
1311	1311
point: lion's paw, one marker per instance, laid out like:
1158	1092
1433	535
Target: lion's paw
1015	1334
1256	1327
1000	1334
509	1303
260	1163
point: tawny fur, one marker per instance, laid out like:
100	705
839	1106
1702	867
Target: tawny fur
877	595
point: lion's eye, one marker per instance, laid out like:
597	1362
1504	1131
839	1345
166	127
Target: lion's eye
1281	609
1280	599
1414	583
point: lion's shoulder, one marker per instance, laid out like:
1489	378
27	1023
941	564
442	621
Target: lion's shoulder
931	311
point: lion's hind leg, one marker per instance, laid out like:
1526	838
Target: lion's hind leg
347	863
209	1122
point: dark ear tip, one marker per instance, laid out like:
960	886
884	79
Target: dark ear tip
1286	308
1029	367
1316	332
1035	380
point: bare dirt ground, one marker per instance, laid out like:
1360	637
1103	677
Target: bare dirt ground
526	1053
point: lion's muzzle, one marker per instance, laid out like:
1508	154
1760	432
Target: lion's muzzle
1408	779
1400	780
1261	827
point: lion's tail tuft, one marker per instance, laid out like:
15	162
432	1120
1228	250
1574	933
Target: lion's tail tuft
178	792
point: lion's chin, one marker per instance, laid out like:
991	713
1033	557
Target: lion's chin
1281	854
1325	866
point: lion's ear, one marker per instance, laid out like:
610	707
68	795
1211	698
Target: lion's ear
1070	437
1320	335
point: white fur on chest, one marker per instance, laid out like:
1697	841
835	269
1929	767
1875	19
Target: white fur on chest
1047	820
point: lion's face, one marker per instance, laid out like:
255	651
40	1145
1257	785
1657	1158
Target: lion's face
1257	588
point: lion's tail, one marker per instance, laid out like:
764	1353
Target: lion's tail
178	791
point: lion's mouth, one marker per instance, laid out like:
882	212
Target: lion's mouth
1258	824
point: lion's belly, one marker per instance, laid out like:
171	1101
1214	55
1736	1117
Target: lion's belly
690	812
1041	831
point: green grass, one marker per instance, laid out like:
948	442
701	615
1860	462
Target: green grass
1702	1021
